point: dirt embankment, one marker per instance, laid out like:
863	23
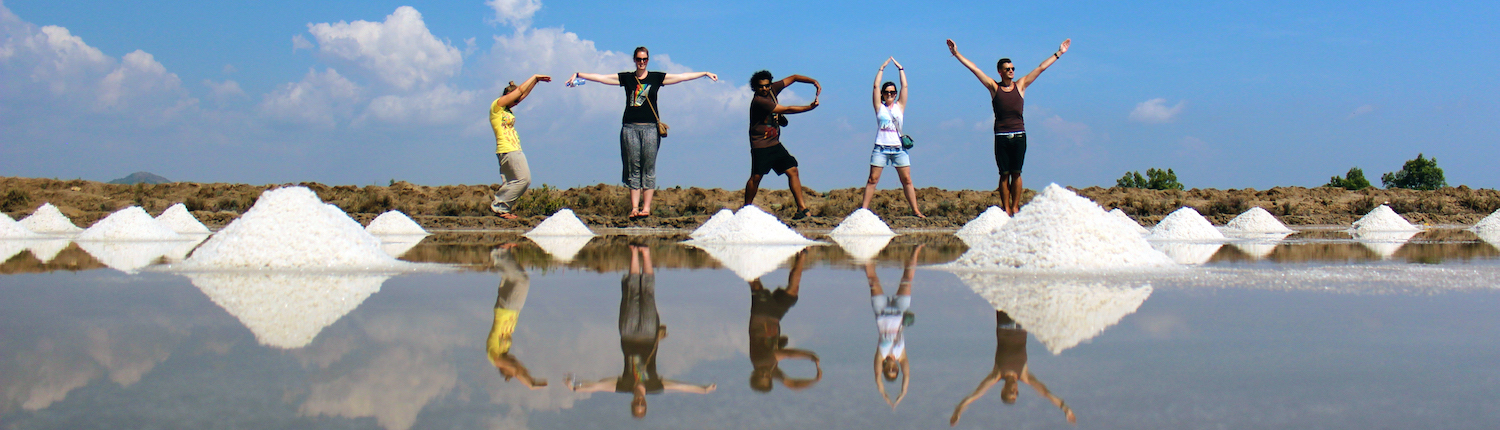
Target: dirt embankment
467	206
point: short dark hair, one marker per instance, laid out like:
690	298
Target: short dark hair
1001	64
763	74
509	88
887	84
640	49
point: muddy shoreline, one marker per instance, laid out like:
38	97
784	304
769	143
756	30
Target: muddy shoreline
465	207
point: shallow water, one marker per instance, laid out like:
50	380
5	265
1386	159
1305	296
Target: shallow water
1314	330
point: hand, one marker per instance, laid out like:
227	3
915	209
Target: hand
712	387
1064	48
887	63
814	104
712	76
543	78
898	63
952	48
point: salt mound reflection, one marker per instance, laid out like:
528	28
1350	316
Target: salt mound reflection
128	256
1061	312
1259	246
1189	253
1383	243
398	245
46	250
287	309
862	248
561	248
749	262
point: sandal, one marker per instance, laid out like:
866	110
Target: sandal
804	213
507	215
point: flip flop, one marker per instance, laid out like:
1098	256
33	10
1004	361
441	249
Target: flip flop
507	215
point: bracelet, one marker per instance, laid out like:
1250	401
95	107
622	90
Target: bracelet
901	69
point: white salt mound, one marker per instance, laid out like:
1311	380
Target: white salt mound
1185	224
1125	220
394	222
1490	224
181	221
132	223
1061	313
48	220
1384	219
1257	220
10	229
287	309
714	224
290	228
748	226
985	224
1058	230
562	223
862	223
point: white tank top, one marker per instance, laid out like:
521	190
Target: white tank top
890	119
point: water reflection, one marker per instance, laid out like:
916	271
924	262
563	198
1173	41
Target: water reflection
397	245
862	248
561	248
1060	311
768	346
128	256
287	309
1189	253
750	262
1384	243
1259	246
1010	366
892	316
641	332
514	284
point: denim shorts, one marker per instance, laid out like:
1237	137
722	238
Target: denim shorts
883	156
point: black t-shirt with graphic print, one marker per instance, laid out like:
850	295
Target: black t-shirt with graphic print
637	110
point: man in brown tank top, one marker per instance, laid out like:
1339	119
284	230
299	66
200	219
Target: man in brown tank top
1007	98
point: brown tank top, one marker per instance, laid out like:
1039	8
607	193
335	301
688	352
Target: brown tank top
1008	106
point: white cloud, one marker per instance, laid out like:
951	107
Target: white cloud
299	42
224	90
321	99
440	105
1155	111
400	52
517	13
1362	110
138	77
1075	132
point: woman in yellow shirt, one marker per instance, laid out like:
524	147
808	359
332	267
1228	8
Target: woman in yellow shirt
513	168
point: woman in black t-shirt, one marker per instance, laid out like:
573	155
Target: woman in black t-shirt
639	140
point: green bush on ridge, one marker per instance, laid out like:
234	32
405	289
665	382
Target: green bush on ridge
1354	180
1416	174
1155	179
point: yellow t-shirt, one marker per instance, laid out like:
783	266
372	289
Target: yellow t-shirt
500	332
504	123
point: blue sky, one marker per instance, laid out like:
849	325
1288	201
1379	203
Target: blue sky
345	92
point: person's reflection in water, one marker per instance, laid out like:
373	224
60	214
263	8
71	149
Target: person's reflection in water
891	319
1010	365
512	296
767	344
640	333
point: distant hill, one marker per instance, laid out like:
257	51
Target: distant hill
141	178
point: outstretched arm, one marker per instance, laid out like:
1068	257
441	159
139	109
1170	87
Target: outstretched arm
795	109
1041	388
879	76
905	379
879	384
989	381
610	79
989	84
684	77
606	384
521	91
902	70
668	384
803	79
1061	49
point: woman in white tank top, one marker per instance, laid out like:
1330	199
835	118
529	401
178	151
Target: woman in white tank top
890	114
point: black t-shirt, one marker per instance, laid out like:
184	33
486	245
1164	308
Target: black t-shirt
764	131
637	110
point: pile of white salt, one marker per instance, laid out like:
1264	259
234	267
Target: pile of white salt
394	223
1490	224
562	223
181	221
1383	219
48	220
1125	220
290	228
10	229
1185	224
1257	220
132	223
748	226
985	224
1058	230
861	223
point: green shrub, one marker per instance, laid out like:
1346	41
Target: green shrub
1155	179
1354	180
1417	174
544	200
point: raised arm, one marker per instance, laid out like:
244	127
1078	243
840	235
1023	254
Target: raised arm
684	77
905	379
879	384
989	84
901	100
879	77
668	384
783	109
610	79
1041	388
989	381
606	384
803	79
1025	81
521	91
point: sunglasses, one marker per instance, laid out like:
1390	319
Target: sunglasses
642	59
887	92
1010	69
759	86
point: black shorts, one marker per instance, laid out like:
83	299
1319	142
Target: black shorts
764	160
774	304
1010	152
